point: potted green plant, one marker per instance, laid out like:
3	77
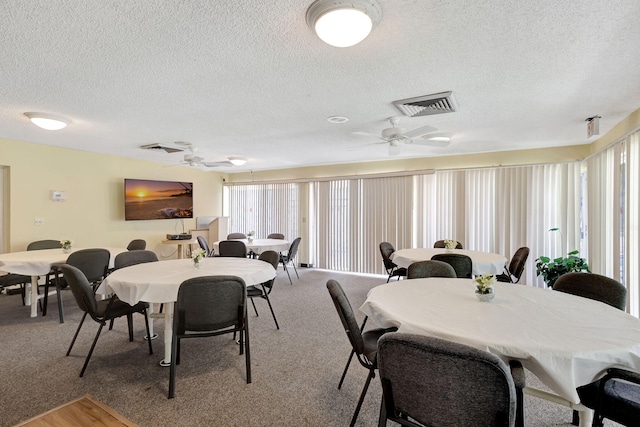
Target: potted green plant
551	269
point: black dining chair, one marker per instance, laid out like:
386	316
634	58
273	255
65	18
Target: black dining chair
263	290
137	245
100	311
231	236
232	248
209	306
278	236
94	264
202	242
440	244
289	257
514	270
386	250
430	268
462	264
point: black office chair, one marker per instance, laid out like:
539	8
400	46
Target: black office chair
462	264
202	242
608	291
593	286
209	306
236	236
616	396
290	256
44	244
386	249
232	248
272	257
101	311
278	236
94	264
363	344
515	269
134	257
440	244
137	245
430	268
435	382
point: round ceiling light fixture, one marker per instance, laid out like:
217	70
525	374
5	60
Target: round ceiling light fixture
343	23
48	121
337	119
237	161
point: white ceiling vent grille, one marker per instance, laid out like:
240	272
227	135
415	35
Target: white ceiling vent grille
167	148
437	103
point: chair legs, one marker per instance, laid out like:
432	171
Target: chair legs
93	345
284	265
266	296
254	306
45	300
346	368
362	395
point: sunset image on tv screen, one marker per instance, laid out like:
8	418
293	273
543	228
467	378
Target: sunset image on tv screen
147	199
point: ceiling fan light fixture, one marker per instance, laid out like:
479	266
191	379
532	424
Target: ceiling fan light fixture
237	161
48	121
343	23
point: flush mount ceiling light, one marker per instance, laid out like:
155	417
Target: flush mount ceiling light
337	119
343	23
48	121
237	161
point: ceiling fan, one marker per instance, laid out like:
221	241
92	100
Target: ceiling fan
193	160
395	135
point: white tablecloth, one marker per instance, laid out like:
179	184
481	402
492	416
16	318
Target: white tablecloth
483	262
260	245
565	340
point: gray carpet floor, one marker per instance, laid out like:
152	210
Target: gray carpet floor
295	369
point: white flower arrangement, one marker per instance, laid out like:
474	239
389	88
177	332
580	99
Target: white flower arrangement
197	255
66	243
484	284
450	244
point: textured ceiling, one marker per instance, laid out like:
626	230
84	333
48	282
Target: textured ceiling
248	78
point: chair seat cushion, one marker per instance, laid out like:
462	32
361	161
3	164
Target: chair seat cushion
254	291
401	271
370	339
13	279
503	278
118	308
621	401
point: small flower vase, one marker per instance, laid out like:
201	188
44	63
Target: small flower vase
485	297
250	238
448	250
66	250
196	263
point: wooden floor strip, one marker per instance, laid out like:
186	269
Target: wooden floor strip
82	412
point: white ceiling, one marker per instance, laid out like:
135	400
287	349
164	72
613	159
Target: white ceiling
249	78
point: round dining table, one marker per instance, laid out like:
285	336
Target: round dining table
565	340
482	262
38	263
158	282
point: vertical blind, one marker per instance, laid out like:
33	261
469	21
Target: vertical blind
264	209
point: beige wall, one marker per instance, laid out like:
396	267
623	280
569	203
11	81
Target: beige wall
93	213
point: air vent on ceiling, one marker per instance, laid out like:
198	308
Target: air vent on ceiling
167	148
437	103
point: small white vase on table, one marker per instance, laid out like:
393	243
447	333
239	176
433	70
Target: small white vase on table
484	287
66	245
197	255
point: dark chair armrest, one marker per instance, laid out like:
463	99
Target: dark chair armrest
517	372
622	374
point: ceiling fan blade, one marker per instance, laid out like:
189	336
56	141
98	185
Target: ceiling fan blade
415	133
217	164
367	134
365	145
434	139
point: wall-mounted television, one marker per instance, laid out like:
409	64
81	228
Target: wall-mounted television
147	199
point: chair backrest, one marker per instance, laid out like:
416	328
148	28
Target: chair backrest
440	244
439	382
593	286
44	244
209	303
272	257
293	249
204	245
236	236
137	245
81	288
348	319
232	248
279	236
462	264
386	249
517	263
93	263
430	268
125	259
